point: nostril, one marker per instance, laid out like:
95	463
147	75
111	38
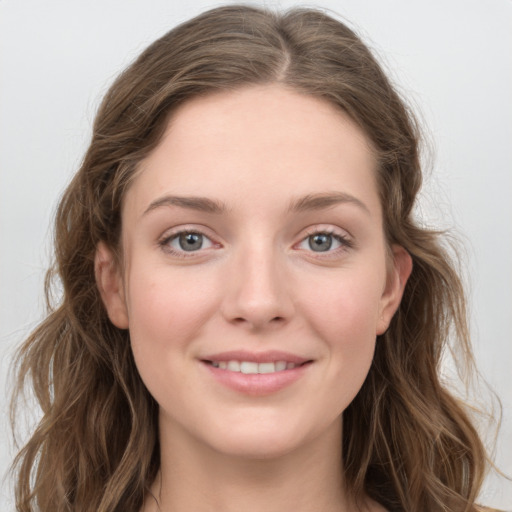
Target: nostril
258	323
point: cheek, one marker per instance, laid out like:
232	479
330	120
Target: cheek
347	307
344	314
167	310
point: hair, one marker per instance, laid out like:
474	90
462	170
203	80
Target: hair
407	442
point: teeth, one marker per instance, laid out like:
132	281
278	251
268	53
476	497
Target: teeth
246	367
250	367
266	368
233	366
280	366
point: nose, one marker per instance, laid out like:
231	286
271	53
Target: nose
258	291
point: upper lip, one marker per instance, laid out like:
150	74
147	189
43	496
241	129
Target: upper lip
268	356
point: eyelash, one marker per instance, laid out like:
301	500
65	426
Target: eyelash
344	241
166	241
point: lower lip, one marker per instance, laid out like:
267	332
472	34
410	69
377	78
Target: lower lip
257	384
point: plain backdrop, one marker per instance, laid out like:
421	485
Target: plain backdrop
452	59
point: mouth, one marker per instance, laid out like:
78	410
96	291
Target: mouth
256	373
253	367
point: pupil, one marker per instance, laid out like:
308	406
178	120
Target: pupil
191	241
320	242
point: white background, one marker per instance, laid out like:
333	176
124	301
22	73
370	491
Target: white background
452	59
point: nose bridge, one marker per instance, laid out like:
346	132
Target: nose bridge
258	292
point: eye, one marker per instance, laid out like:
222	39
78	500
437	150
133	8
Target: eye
187	241
324	241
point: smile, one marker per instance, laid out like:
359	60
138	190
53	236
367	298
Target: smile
256	373
251	367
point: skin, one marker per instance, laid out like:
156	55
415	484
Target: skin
255	284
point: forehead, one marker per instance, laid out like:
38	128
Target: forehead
261	142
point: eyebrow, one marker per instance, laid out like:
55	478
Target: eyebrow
323	201
309	202
202	204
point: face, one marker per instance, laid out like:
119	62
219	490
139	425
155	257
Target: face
255	272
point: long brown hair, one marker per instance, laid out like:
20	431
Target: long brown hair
407	442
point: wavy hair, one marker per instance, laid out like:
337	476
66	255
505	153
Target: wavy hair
407	442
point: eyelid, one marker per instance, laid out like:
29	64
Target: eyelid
171	234
342	236
328	229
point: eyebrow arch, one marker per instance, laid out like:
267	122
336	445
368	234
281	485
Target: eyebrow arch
309	202
202	204
325	200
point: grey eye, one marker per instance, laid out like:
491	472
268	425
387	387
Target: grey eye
184	242
188	242
320	242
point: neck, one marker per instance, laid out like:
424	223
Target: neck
196	477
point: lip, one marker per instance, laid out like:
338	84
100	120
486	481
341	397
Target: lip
259	384
256	357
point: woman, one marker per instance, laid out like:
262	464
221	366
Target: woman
251	317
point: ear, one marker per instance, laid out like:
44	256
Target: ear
401	267
110	285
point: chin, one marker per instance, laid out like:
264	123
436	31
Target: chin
266	439
256	447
